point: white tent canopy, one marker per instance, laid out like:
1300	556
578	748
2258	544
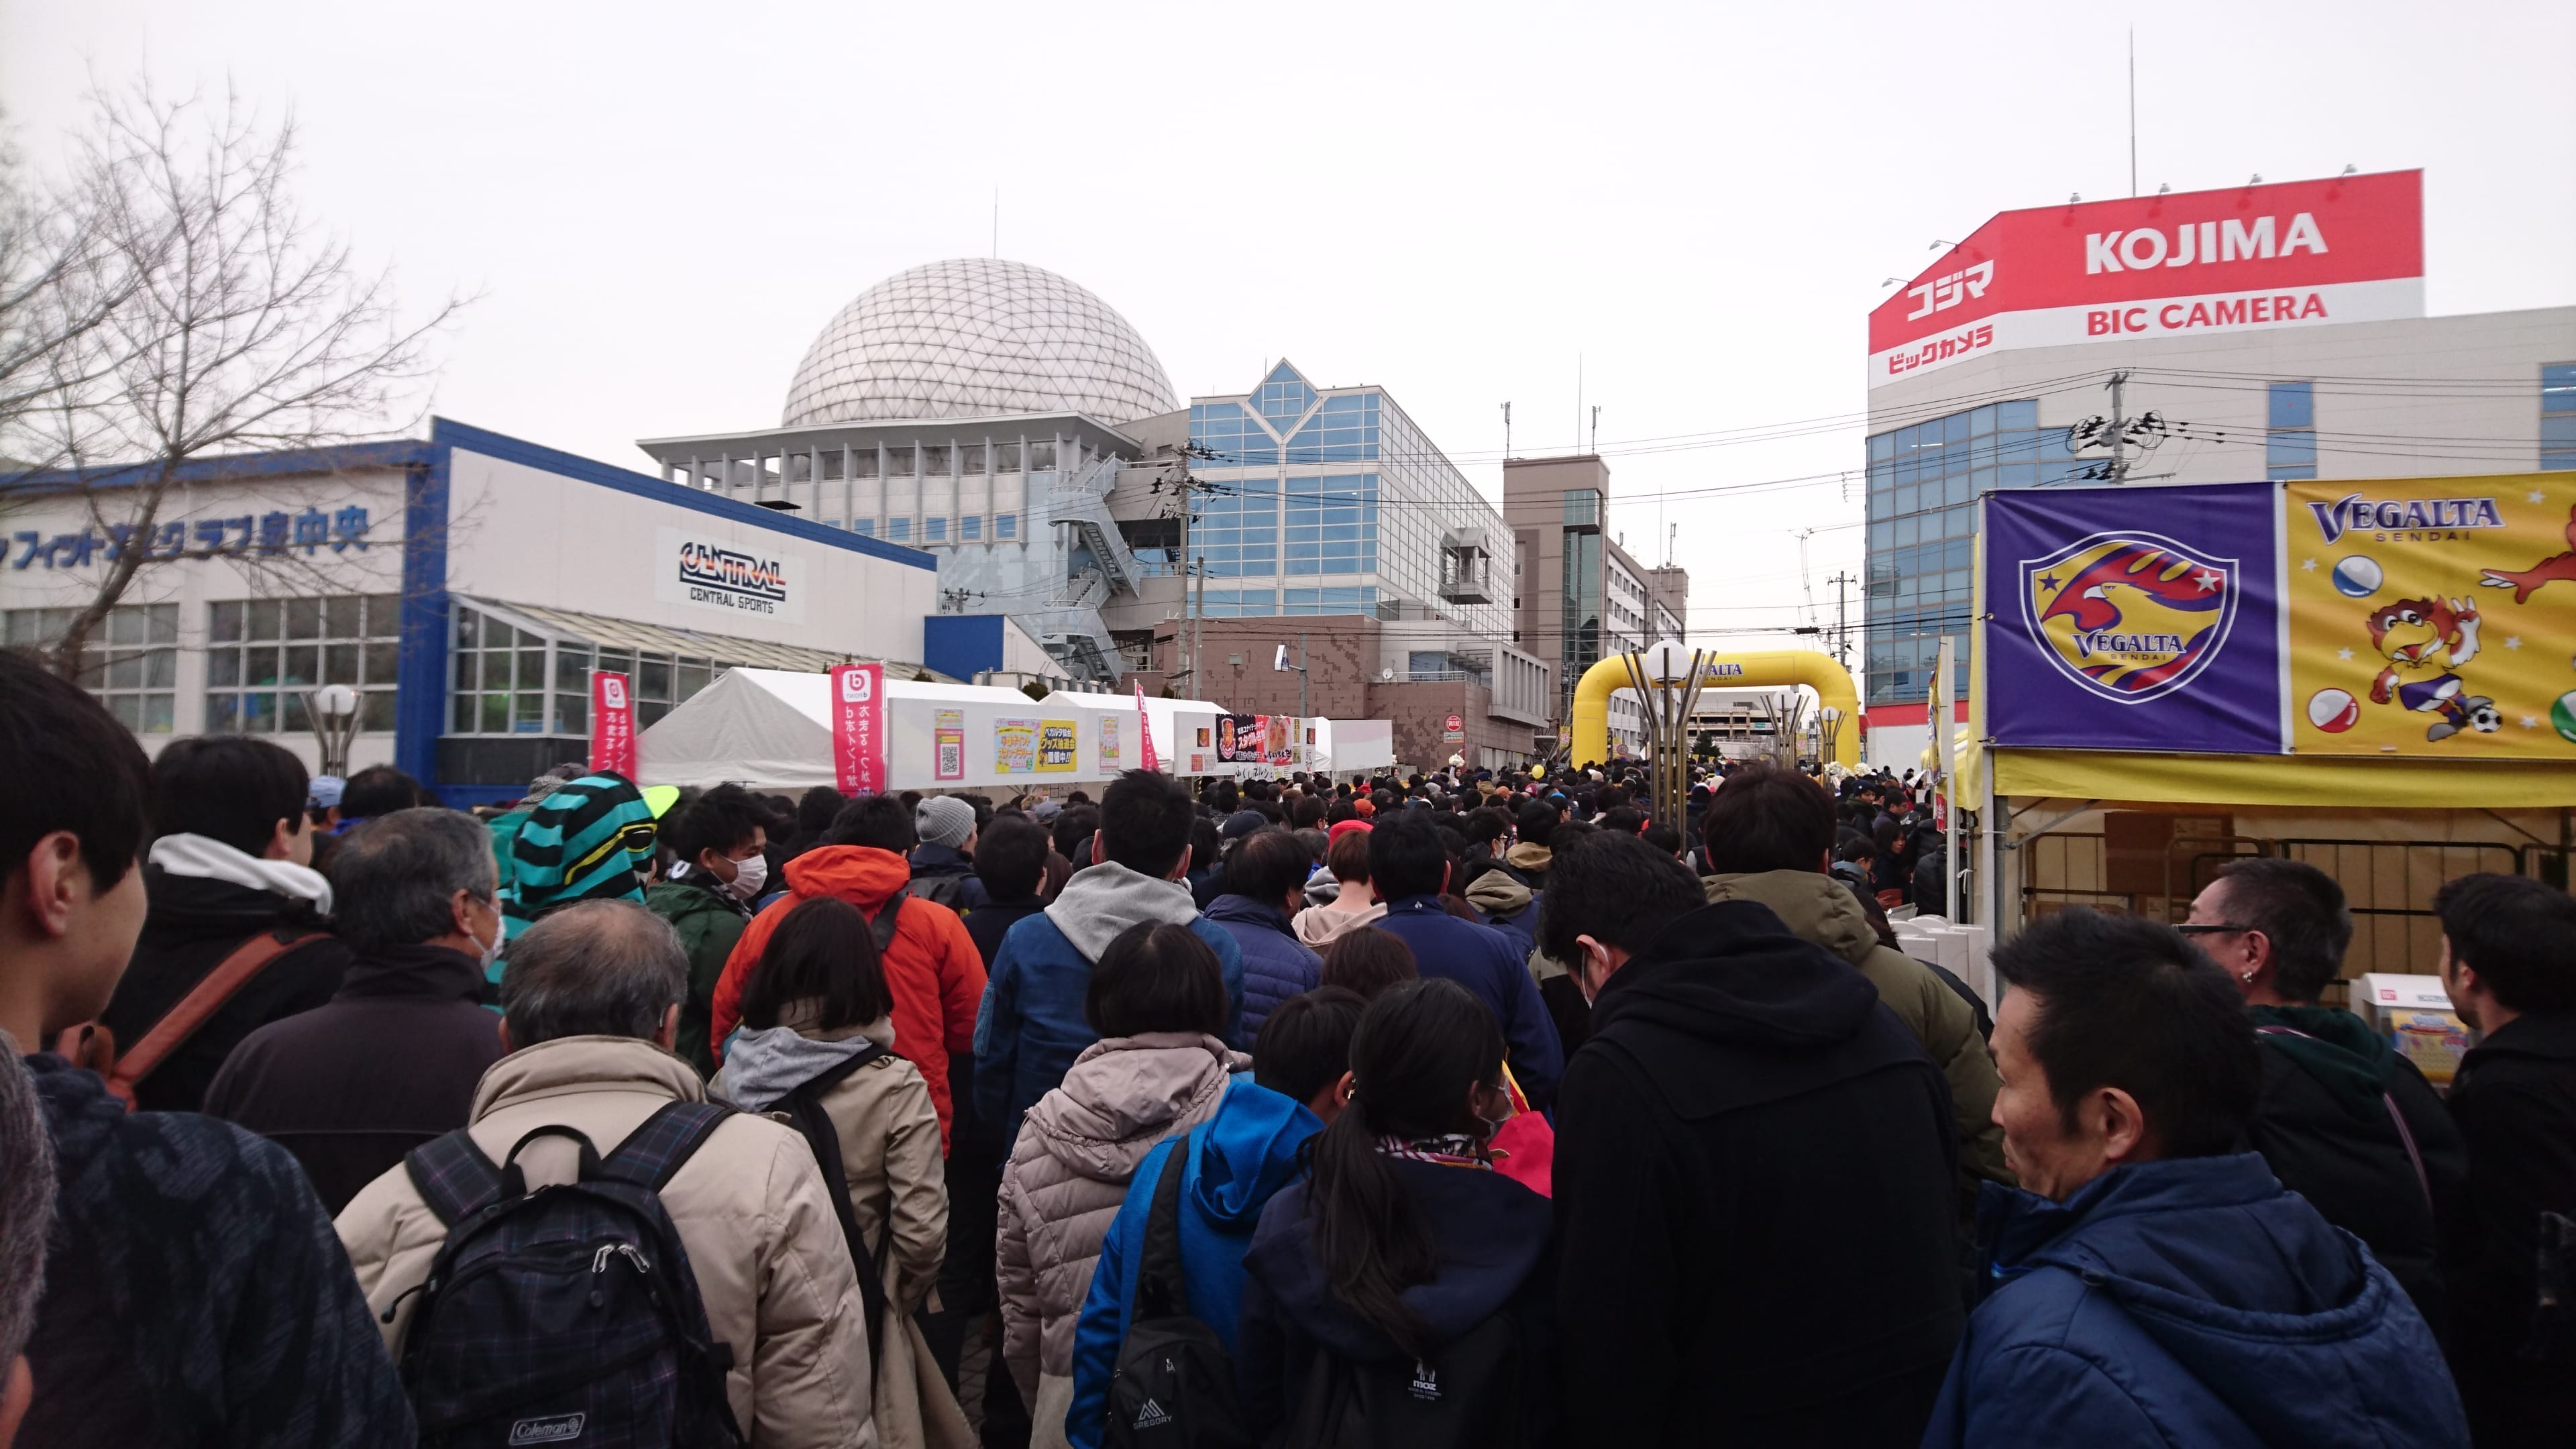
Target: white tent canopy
772	729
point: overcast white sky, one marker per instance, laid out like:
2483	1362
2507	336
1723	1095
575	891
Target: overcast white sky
660	205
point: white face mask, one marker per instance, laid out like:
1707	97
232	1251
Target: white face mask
492	952
749	874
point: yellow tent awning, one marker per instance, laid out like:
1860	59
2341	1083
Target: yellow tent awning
2327	780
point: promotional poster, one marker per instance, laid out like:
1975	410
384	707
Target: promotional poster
2433	618
612	723
858	727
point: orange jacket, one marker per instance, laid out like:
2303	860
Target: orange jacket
932	970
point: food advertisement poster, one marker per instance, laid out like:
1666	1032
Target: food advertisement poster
1015	746
948	745
2433	618
1059	747
1109	763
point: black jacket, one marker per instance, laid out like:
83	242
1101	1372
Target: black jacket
2515	1102
1491	1237
2322	1124
192	924
388	1064
987	924
1756	1192
195	1293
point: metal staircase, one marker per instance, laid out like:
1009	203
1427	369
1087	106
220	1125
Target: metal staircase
1083	502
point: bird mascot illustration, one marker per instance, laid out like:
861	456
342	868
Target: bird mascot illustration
2426	642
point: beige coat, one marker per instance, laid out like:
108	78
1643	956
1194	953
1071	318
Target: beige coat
749	1206
897	1181
1321	926
1822	910
1068	1174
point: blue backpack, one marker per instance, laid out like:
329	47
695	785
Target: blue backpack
567	1314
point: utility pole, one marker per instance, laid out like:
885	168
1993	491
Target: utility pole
2119	430
1842	618
1187	645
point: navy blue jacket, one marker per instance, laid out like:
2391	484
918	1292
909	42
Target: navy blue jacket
1276	965
2188	1302
1484	961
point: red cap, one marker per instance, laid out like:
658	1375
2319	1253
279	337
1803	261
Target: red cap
1345	827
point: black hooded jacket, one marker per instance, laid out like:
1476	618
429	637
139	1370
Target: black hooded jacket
191	925
1755	1192
2515	1102
2323	1126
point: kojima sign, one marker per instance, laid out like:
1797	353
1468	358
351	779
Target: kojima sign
2247	259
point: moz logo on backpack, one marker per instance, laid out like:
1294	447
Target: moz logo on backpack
553	1429
1426	1381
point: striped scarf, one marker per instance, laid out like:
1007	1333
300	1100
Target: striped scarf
1455	1149
585	842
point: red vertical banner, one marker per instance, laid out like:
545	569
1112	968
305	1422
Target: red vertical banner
1145	729
858	728
612	723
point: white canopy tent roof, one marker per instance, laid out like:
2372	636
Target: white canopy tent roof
772	728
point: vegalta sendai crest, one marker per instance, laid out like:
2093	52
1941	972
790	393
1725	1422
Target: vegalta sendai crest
2131	616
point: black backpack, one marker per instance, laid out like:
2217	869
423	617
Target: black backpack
948	888
567	1314
1465	1396
1174	1382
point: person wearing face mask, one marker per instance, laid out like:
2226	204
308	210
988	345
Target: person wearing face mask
390	1062
718	839
1754	1173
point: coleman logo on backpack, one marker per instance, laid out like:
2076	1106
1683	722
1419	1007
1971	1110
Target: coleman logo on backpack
559	1429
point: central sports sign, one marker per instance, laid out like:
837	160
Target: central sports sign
2251	258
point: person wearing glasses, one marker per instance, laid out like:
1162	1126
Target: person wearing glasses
2343	1120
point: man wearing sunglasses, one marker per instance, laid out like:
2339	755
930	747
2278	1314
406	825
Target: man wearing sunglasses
2343	1120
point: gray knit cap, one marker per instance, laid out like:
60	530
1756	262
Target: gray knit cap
943	820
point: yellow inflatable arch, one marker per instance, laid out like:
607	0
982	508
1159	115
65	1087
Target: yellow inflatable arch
1831	682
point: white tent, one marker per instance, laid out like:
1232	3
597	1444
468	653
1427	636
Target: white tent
772	728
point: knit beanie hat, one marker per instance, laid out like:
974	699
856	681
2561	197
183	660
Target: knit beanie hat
943	820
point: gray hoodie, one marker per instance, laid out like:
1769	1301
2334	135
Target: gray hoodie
1105	899
764	1064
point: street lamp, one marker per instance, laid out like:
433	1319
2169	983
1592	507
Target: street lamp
1829	721
333	710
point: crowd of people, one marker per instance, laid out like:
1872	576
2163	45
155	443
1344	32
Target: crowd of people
1469	1107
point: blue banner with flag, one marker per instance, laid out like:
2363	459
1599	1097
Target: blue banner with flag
2134	618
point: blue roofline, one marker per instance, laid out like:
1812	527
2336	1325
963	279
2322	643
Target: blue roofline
446	433
401	453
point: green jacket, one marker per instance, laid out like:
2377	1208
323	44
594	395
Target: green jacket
1822	909
709	924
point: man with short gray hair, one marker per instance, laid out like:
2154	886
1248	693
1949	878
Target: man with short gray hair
390	1062
590	1003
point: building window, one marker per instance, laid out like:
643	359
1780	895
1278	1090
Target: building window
1332	524
2290	439
262	655
510	681
2558	415
867	527
1582	508
898	462
1042	457
1006	457
970	458
899	529
1006	525
130	661
831	465
1237	536
934	530
934	461
863	463
971	527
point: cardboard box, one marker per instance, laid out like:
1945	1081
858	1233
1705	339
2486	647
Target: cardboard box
2414	1014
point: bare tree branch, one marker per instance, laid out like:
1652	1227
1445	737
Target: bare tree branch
226	323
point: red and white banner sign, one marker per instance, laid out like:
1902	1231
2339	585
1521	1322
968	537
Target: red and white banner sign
1145	729
858	728
612	723
2251	258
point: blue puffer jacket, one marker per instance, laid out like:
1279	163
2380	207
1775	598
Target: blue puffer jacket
2188	1302
1236	1163
1276	965
1030	1026
1491	964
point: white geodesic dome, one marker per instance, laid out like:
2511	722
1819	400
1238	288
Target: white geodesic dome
975	336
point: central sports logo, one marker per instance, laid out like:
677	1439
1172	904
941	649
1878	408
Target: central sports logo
2130	616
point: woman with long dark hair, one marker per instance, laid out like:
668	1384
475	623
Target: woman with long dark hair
816	1018
1400	1294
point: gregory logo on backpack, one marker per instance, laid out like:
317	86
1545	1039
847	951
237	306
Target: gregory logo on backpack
556	1429
1151	1416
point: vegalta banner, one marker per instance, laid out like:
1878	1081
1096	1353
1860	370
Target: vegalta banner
612	723
2433	617
2134	618
858	728
2425	618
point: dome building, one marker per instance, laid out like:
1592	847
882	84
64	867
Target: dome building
975	337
